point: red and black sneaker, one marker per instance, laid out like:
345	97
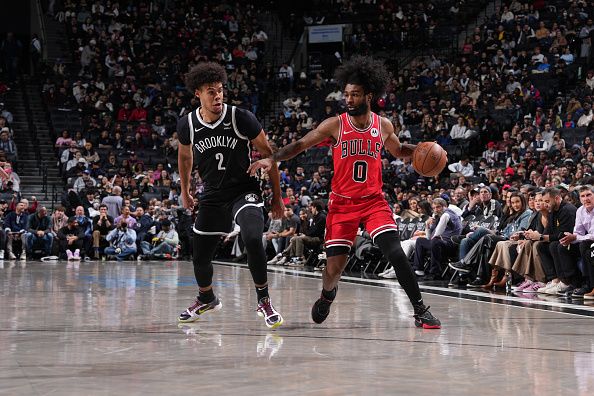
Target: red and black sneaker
424	318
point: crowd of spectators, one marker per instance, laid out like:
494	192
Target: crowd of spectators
513	108
125	82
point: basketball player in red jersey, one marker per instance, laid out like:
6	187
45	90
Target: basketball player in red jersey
359	136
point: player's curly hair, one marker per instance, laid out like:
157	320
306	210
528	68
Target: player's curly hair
205	73
370	73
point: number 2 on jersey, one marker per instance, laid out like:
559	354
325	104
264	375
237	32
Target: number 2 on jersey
360	171
220	158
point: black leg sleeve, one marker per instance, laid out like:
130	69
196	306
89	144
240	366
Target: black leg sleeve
251	222
389	244
204	247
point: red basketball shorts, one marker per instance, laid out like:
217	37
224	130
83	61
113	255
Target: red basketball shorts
345	215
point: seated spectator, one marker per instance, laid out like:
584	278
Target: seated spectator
8	146
483	204
102	225
583	234
70	239
15	226
84	182
312	237
58	220
125	216
413	211
463	167
122	241
438	243
86	225
89	153
144	222
64	141
461	132
559	262
39	230
476	248
163	244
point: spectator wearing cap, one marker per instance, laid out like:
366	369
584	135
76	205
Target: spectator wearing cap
164	243
70	239
490	154
40	230
85	181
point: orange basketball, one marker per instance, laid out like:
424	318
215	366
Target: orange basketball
429	159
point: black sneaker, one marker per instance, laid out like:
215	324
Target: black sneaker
461	266
477	282
321	309
579	293
460	280
197	309
424	318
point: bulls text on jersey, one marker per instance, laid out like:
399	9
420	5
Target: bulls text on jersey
360	147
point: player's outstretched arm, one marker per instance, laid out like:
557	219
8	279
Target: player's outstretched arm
393	144
261	144
328	128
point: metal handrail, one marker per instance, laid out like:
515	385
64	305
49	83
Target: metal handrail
42	33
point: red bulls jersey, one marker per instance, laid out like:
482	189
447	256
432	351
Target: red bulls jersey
357	159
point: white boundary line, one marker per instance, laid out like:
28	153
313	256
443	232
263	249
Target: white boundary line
392	283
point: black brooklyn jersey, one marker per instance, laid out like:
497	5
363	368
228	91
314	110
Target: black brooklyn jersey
222	150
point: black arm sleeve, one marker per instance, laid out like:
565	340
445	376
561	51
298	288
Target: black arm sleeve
183	130
247	124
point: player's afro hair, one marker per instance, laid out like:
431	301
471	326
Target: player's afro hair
205	73
370	73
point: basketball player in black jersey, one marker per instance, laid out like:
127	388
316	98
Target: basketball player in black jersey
216	139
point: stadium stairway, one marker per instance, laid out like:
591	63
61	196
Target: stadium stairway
35	153
56	41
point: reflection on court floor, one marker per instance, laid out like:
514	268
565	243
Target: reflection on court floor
110	328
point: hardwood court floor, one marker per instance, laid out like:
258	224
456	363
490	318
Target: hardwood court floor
110	329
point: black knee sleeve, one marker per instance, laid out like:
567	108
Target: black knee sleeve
204	247
251	223
390	246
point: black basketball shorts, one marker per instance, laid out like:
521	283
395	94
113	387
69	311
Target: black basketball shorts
216	218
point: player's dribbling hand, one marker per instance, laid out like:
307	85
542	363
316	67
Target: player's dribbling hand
265	164
278	208
188	200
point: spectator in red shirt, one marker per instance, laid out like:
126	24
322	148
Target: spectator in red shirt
143	129
125	113
138	114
